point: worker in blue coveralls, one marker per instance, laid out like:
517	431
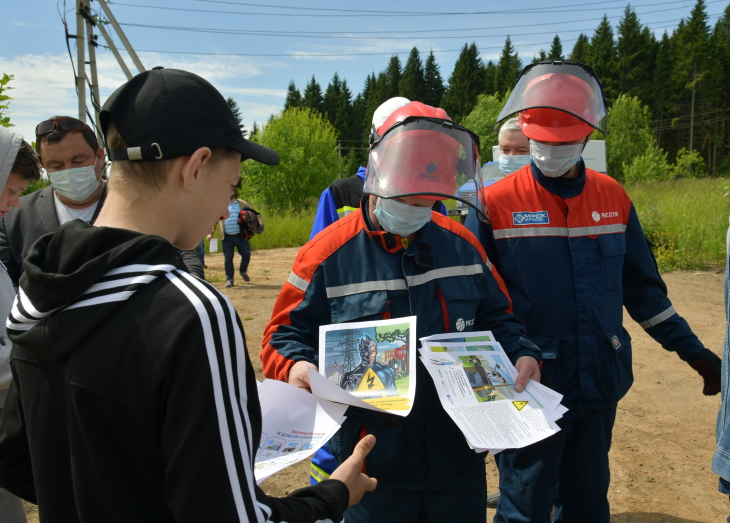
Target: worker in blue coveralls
721	458
568	243
337	201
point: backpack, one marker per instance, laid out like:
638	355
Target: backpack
251	223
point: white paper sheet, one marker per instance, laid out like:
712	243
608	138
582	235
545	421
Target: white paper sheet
295	424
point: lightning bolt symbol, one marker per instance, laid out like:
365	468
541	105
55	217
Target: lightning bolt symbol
370	382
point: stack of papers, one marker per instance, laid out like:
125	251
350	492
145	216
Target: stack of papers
295	424
475	382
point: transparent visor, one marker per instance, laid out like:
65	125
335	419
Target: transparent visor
569	87
425	157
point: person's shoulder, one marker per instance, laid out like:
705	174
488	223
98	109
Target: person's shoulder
444	223
329	240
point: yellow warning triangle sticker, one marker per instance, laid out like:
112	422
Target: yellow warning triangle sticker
370	382
519	405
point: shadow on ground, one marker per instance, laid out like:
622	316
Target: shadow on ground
651	517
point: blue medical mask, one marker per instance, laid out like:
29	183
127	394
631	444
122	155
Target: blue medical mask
509	164
555	160
75	184
399	218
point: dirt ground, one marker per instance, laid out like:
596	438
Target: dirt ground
664	434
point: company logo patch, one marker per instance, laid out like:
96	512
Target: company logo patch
461	324
616	344
597	216
530	218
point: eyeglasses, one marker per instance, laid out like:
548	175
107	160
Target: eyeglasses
65	124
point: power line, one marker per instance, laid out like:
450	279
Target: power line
532	10
247	32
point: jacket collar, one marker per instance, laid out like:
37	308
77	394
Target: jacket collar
563	187
420	248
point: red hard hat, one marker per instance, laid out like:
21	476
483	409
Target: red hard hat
553	125
413	109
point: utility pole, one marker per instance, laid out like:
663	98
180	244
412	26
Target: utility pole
122	36
95	98
80	62
115	51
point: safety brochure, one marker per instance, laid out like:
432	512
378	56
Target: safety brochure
295	424
475	383
368	364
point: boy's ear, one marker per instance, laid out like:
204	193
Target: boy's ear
191	168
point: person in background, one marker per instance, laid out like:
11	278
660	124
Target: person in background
200	251
514	147
70	154
721	457
232	238
18	166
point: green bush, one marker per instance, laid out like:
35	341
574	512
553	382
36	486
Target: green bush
481	122
629	134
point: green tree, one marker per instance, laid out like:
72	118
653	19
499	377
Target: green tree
331	99
629	133
466	83
691	63
433	84
5	100
556	50
581	50
661	85
603	57
481	122
508	67
392	333
307	145
393	74
293	96
634	57
542	55
312	97
412	81
490	73
237	114
720	91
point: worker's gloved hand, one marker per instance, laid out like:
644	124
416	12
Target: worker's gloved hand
709	366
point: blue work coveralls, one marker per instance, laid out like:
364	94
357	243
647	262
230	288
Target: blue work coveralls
572	254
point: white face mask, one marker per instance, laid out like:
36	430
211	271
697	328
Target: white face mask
555	160
76	184
399	218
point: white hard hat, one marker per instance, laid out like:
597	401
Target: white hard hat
386	109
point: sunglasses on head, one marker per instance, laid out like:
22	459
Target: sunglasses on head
65	124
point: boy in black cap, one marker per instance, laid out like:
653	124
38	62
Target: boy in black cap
133	396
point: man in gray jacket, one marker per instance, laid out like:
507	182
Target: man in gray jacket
18	166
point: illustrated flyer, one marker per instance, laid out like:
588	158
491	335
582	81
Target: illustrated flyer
374	362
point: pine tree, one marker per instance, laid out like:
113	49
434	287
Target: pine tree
466	83
603	57
331	99
393	75
412	80
236	114
433	84
508	67
293	96
662	74
581	50
312	97
691	63
540	57
491	78
556	50
634	57
720	77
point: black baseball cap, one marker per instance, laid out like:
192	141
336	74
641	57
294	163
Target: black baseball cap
168	113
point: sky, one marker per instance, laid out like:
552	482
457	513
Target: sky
251	51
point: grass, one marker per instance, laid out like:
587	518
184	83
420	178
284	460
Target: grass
687	220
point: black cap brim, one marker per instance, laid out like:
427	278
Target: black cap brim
257	152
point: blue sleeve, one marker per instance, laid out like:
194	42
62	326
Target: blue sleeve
326	213
645	296
483	232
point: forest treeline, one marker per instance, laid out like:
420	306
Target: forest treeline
681	81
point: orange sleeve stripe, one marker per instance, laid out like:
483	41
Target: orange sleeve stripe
309	258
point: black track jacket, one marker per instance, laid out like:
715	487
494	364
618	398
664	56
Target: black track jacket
133	396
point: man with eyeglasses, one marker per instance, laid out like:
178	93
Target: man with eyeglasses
70	154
